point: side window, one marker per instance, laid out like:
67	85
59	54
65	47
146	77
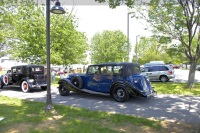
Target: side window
146	69
14	70
150	69
117	70
136	70
19	70
155	68
106	70
93	70
164	68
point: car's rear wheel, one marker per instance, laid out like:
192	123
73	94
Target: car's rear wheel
164	78
44	88
77	81
120	94
63	90
5	79
25	86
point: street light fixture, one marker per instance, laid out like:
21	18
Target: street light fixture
136	47
57	10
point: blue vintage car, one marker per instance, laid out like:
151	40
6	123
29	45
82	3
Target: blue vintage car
120	80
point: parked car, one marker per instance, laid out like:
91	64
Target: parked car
198	67
119	80
174	66
25	76
159	73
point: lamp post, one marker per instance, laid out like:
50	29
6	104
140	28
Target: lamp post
136	47
128	37
57	9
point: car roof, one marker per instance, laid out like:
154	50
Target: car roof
116	64
128	67
30	65
159	66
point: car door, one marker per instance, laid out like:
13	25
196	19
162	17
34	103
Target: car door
93	78
153	73
14	74
17	74
99	78
106	79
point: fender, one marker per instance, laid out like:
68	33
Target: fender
132	90
69	85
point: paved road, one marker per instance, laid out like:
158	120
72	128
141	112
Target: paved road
163	107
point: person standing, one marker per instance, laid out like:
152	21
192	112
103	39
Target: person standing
53	74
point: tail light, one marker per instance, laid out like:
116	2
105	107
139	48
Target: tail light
170	72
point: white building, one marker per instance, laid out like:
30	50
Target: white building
7	63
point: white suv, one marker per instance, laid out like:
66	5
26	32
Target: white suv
159	72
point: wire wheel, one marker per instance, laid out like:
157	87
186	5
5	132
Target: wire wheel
63	90
120	94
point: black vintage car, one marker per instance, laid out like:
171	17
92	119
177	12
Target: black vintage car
25	76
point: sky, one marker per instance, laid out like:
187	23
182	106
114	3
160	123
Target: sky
94	17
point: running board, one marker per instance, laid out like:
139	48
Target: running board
94	92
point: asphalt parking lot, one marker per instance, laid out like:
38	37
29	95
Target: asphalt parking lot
163	107
182	75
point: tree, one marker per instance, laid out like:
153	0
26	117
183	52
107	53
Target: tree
108	46
67	44
6	8
151	49
176	19
29	32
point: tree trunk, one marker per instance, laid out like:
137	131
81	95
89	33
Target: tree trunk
191	76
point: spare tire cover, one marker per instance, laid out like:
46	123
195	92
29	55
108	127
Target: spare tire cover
77	81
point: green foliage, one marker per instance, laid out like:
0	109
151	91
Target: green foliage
68	46
30	32
109	46
178	20
115	3
151	48
6	8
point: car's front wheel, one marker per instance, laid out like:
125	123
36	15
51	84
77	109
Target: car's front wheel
120	94
25	86
63	90
163	78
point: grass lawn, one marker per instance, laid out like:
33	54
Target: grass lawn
27	116
176	88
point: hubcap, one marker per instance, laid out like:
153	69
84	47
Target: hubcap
120	93
25	86
6	80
